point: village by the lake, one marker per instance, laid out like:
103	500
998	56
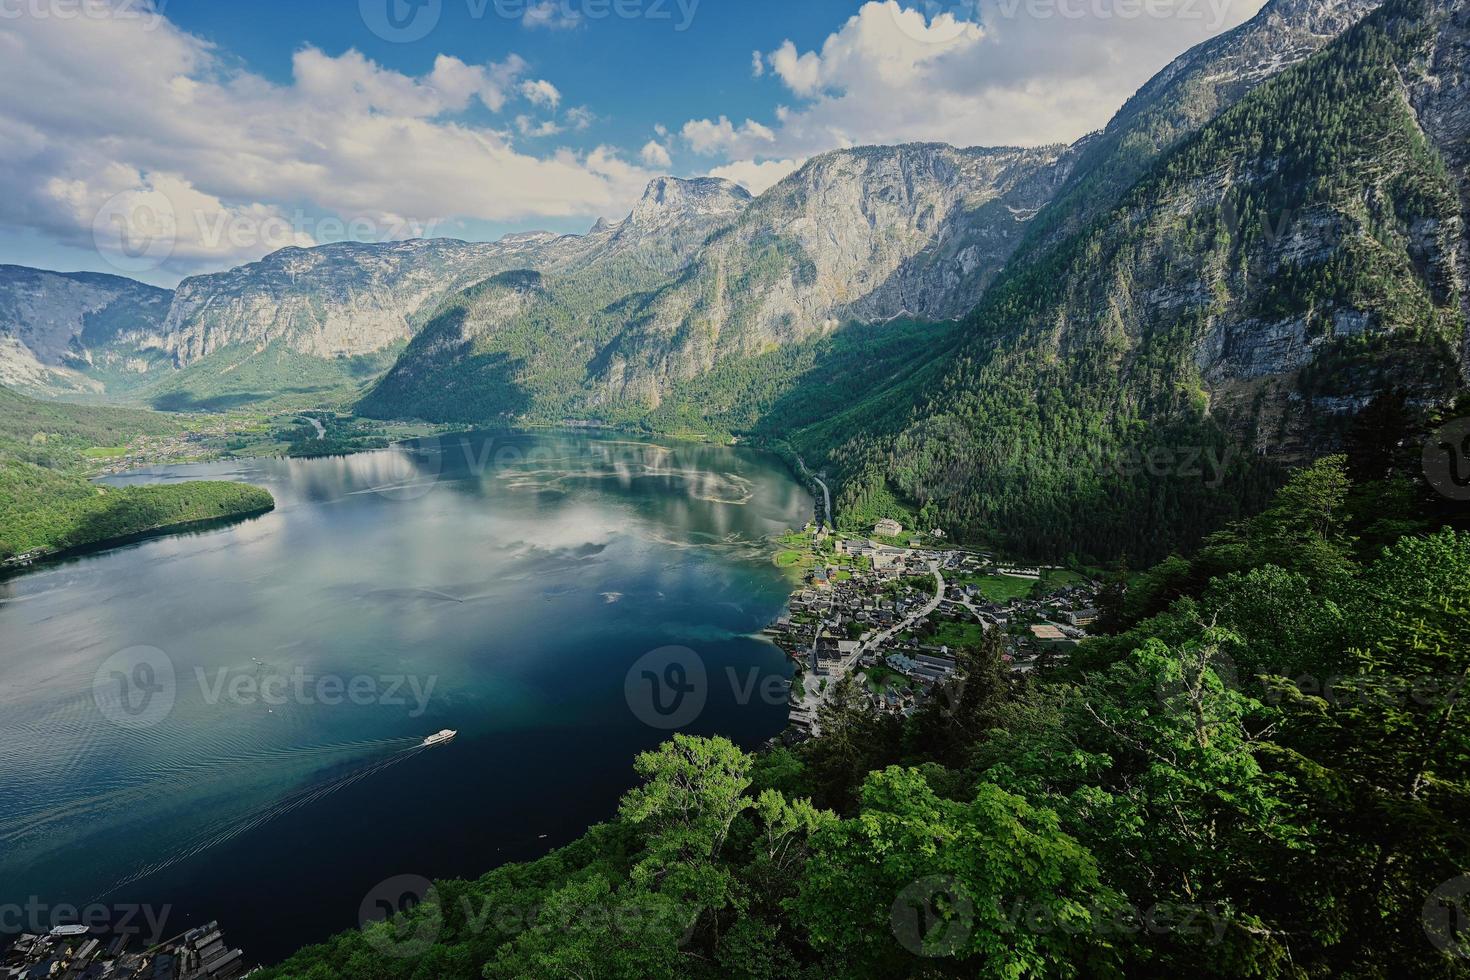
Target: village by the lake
892	610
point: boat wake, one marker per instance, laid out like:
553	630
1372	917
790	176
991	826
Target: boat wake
222	832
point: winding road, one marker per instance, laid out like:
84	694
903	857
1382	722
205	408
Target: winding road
826	493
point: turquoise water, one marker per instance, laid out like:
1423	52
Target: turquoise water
227	724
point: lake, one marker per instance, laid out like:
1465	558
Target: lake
228	724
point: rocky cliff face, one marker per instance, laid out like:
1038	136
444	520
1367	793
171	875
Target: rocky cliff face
1437	79
858	235
1192	90
870	234
1300	254
336	300
352	298
66	333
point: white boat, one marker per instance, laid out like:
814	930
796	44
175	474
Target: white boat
439	739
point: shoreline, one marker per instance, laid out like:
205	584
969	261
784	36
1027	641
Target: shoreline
41	557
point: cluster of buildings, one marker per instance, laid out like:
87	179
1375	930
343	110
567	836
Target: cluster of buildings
74	953
871	610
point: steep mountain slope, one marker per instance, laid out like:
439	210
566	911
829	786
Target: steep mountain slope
521	339
340	314
76	332
858	235
350	299
1192	90
1248	296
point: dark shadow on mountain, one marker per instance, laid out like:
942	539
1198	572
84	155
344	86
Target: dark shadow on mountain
467	386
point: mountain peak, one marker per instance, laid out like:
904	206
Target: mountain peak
668	197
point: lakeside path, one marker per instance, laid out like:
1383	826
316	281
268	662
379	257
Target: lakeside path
807	710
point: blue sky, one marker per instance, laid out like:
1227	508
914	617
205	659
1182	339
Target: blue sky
637	72
160	140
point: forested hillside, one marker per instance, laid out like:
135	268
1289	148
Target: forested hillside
47	504
1242	303
1235	784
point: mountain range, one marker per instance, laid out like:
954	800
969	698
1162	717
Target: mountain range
1269	234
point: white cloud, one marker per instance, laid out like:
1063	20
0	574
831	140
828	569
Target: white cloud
705	136
551	15
101	112
1018	72
757	64
802	73
534	129
656	155
541	92
757	177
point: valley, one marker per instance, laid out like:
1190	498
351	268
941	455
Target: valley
899	560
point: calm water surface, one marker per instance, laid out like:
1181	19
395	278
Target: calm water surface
175	734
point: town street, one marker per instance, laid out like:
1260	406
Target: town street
815	699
